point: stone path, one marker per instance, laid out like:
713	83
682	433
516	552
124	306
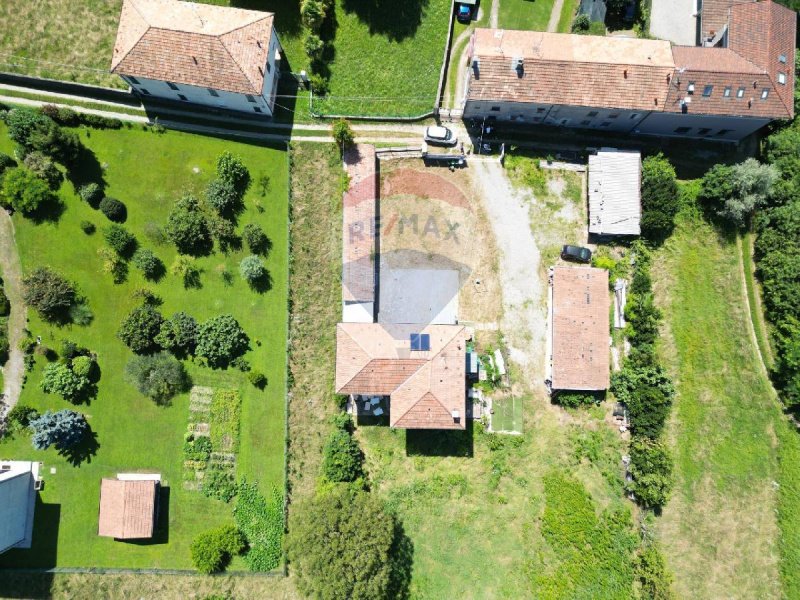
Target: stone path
555	15
14	369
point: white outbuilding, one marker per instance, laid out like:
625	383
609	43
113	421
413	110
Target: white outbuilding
615	201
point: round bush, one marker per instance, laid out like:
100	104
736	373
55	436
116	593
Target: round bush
91	193
157	376
24	191
59	379
211	551
45	169
257	379
220	340
113	209
82	366
6	162
150	265
255	238
88	227
252	269
120	239
222	196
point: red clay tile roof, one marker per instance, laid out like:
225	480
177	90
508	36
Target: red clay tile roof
425	388
580	314
127	509
715	14
193	44
575	70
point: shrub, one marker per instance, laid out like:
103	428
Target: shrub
187	227
186	268
651	469
211	551
261	521
20	416
45	169
312	12
257	379
224	232
222	196
313	46
343	133
252	269
643	319
58	378
5	304
660	199
255	238
88	227
220	340
49	293
120	240
219	483
178	334
63	429
320	84
325	560
113	264
342	459
158	376
91	193
231	169
139	329
576	399
581	24
751	184
34	131
82	366
148	263
648	409
25	192
652	573
113	209
6	162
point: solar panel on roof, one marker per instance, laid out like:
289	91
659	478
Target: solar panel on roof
420	342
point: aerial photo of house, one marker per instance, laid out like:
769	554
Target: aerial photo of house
343	299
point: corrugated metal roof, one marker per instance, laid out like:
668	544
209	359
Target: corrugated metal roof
614	192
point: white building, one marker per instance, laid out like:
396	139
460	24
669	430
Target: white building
615	205
18	485
196	53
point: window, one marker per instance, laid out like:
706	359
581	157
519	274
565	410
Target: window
268	67
172	86
257	109
144	91
724	131
634	116
250	98
703	131
213	92
605	123
495	109
133	80
707	91
740	92
540	110
690	88
727	92
782	78
592	114
782	58
764	93
182	97
682	130
585	123
613	116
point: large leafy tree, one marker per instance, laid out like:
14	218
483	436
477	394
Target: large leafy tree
651	468
49	293
24	191
34	131
220	340
660	200
178	334
341	545
231	169
157	376
63	429
187	227
342	459
139	329
71	384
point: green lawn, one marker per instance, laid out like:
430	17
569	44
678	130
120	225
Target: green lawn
568	10
525	14
720	531
147	171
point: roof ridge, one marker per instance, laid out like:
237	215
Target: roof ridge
413	404
584	62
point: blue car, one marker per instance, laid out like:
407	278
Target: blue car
465	11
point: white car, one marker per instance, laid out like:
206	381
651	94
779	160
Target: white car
442	136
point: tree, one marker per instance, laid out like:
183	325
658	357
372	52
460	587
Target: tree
20	416
252	269
148	263
313	46
581	24
660	201
113	209
120	239
343	134
91	193
220	340
25	192
312	12
58	378
342	459
212	550
6	162
178	334
139	329
327	544
34	131
716	186
187	227
255	238
49	293
45	169
751	184
63	429
231	169
186	268
648	409
651	469
222	196
158	376
653	575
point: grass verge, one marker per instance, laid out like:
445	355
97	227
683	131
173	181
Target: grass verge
523	14
568	10
754	301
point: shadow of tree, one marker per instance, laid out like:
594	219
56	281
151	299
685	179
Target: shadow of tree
437	442
82	452
402	561
85	169
262	284
287	13
396	20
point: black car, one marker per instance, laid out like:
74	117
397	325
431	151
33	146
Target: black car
576	253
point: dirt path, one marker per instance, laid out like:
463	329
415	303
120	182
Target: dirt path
14	369
494	13
555	15
523	322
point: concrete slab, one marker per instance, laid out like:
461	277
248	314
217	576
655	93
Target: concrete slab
675	20
424	296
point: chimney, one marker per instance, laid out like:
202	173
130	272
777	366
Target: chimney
625	73
194	58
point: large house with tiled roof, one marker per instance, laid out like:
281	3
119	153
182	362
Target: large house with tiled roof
216	56
639	86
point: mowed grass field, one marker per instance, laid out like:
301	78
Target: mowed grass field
525	14
733	451
148	171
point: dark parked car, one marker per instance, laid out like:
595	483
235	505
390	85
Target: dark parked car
576	253
466	10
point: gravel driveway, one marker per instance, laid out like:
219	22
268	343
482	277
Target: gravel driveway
524	319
